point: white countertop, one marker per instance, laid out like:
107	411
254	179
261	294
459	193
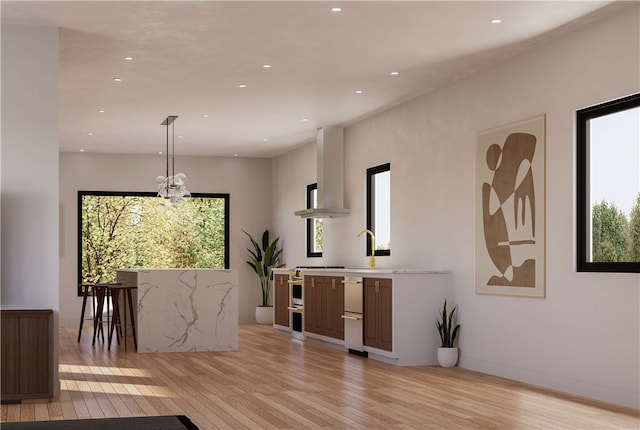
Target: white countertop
143	269
366	271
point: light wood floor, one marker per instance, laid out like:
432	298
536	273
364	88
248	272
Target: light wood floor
276	382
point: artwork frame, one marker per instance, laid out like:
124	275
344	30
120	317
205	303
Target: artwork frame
511	208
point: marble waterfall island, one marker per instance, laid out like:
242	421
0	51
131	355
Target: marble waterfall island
184	310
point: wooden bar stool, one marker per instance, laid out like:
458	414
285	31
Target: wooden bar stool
98	293
116	321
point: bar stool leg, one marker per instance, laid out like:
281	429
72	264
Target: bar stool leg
99	292
84	305
114	318
133	321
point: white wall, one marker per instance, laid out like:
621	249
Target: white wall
584	337
247	180
29	158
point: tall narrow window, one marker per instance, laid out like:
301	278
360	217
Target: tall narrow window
314	225
608	207
379	208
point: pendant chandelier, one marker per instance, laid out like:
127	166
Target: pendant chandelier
171	188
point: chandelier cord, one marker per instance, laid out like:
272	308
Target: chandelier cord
167	156
173	148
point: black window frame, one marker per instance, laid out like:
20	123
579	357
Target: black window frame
582	169
311	253
371	172
82	193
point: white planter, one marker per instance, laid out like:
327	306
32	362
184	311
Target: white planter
264	314
447	357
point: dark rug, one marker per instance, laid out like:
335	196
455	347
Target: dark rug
170	422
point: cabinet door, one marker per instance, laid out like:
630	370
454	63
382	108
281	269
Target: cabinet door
10	356
312	305
370	314
281	300
35	367
378	327
323	283
334	308
324	306
385	326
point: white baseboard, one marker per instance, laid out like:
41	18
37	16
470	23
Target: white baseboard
555	382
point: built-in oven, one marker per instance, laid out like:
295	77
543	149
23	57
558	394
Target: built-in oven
296	304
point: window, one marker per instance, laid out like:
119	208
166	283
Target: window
314	225
120	229
608	167
379	208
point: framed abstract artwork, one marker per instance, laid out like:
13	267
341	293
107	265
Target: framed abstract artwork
510	210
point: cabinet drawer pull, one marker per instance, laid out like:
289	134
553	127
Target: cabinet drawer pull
351	282
348	317
377	286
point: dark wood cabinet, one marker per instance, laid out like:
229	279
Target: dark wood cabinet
324	306
281	300
378	327
27	355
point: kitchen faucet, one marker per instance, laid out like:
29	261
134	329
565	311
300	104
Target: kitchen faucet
372	260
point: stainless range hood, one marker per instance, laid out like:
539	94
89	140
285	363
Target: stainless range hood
330	146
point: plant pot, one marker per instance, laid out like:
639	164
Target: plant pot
447	357
264	314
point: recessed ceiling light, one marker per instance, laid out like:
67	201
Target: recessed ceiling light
359	91
179	136
304	119
90	133
496	21
265	140
82	150
159	152
242	85
117	79
235	155
100	111
336	9
394	73
128	58
205	115
266	66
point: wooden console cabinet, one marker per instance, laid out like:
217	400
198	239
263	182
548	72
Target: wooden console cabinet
27	355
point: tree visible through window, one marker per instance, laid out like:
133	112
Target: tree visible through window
314	225
608	148
125	230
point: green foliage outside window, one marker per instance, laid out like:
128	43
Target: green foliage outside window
317	225
633	252
615	238
124	231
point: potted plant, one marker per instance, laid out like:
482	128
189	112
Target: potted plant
448	352
262	260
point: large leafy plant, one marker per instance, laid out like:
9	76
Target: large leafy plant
262	259
445	326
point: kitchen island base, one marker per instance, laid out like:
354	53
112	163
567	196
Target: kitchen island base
184	310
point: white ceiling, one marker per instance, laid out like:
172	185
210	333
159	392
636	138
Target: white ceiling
190	57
